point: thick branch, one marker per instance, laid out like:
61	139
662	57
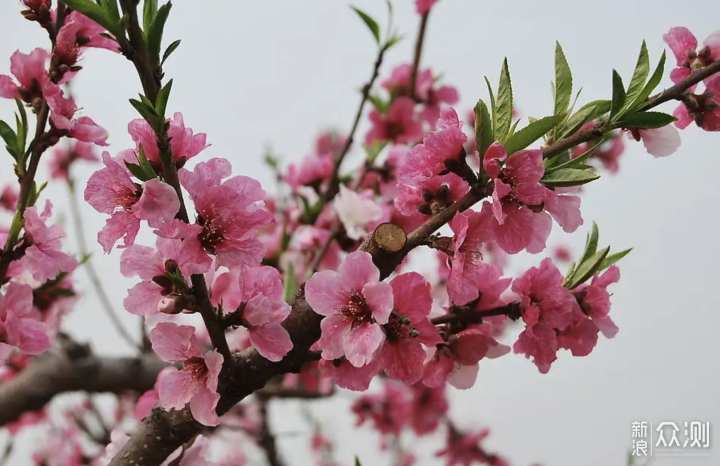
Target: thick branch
54	374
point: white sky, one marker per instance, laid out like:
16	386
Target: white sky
275	72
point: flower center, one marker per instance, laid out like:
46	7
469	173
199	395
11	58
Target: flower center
397	328
126	197
356	310
213	229
197	368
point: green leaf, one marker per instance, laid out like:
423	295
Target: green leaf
150	9
587	269
10	138
138	172
168	51
561	158
357	461
370	23
162	100
148	113
612	259
587	112
177	280
591	244
504	104
289	283
642	69
513	129
651	85
392	40
483	128
493	108
373	150
111	7
380	104
563	81
577	162
93	11
646	120
35	193
618	99
568	177
155	33
145	163
531	133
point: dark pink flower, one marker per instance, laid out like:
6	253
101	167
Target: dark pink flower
33	81
348	376
17	328
9	197
471	229
389	411
64	119
684	46
408	328
64	157
112	191
399	125
594	300
464	449
705	109
183	142
43	258
355	304
562	253
230	213
427	195
429	406
254	300
423	6
197	382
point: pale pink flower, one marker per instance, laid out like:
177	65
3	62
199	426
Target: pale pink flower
230	213
60	449
64	157
471	229
254	299
357	212
456	361
156	293
33	81
399	125
64	119
112	191
330	142
431	96
684	46
355	305
197	382
402	355
43	258
86	32
659	142
312	170
17	328
184	143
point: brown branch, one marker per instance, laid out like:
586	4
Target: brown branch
418	53
266	439
511	310
54	374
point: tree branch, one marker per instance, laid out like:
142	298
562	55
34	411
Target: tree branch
418	53
54	374
267	438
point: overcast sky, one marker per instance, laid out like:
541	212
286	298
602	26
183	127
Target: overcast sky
275	72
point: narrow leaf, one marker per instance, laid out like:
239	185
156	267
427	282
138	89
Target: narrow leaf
290	283
149	11
531	133
642	69
147	113
357	461
577	162
162	100
138	172
563	81
168	51
566	177
591	244
559	159
370	23
483	128
618	98
145	164
111	7
646	120
587	113
8	135
651	85
587	269
613	258
93	11
155	33
504	103
493	107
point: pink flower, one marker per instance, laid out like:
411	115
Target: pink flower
64	157
429	406
464	449
438	147
156	293
355	305
33	81
17	328
312	170
255	301
684	45
659	142
229	215
423	6
44	258
330	142
456	361
111	191
9	197
471	230
398	125
562	253
86	32
548	308
184	143
594	300
408	328
197	382
704	109
358	212
63	118
348	376
427	195
389	411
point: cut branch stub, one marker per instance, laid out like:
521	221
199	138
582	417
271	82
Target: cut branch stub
386	245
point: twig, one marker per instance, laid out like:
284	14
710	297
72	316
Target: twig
418	53
511	310
90	269
267	438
